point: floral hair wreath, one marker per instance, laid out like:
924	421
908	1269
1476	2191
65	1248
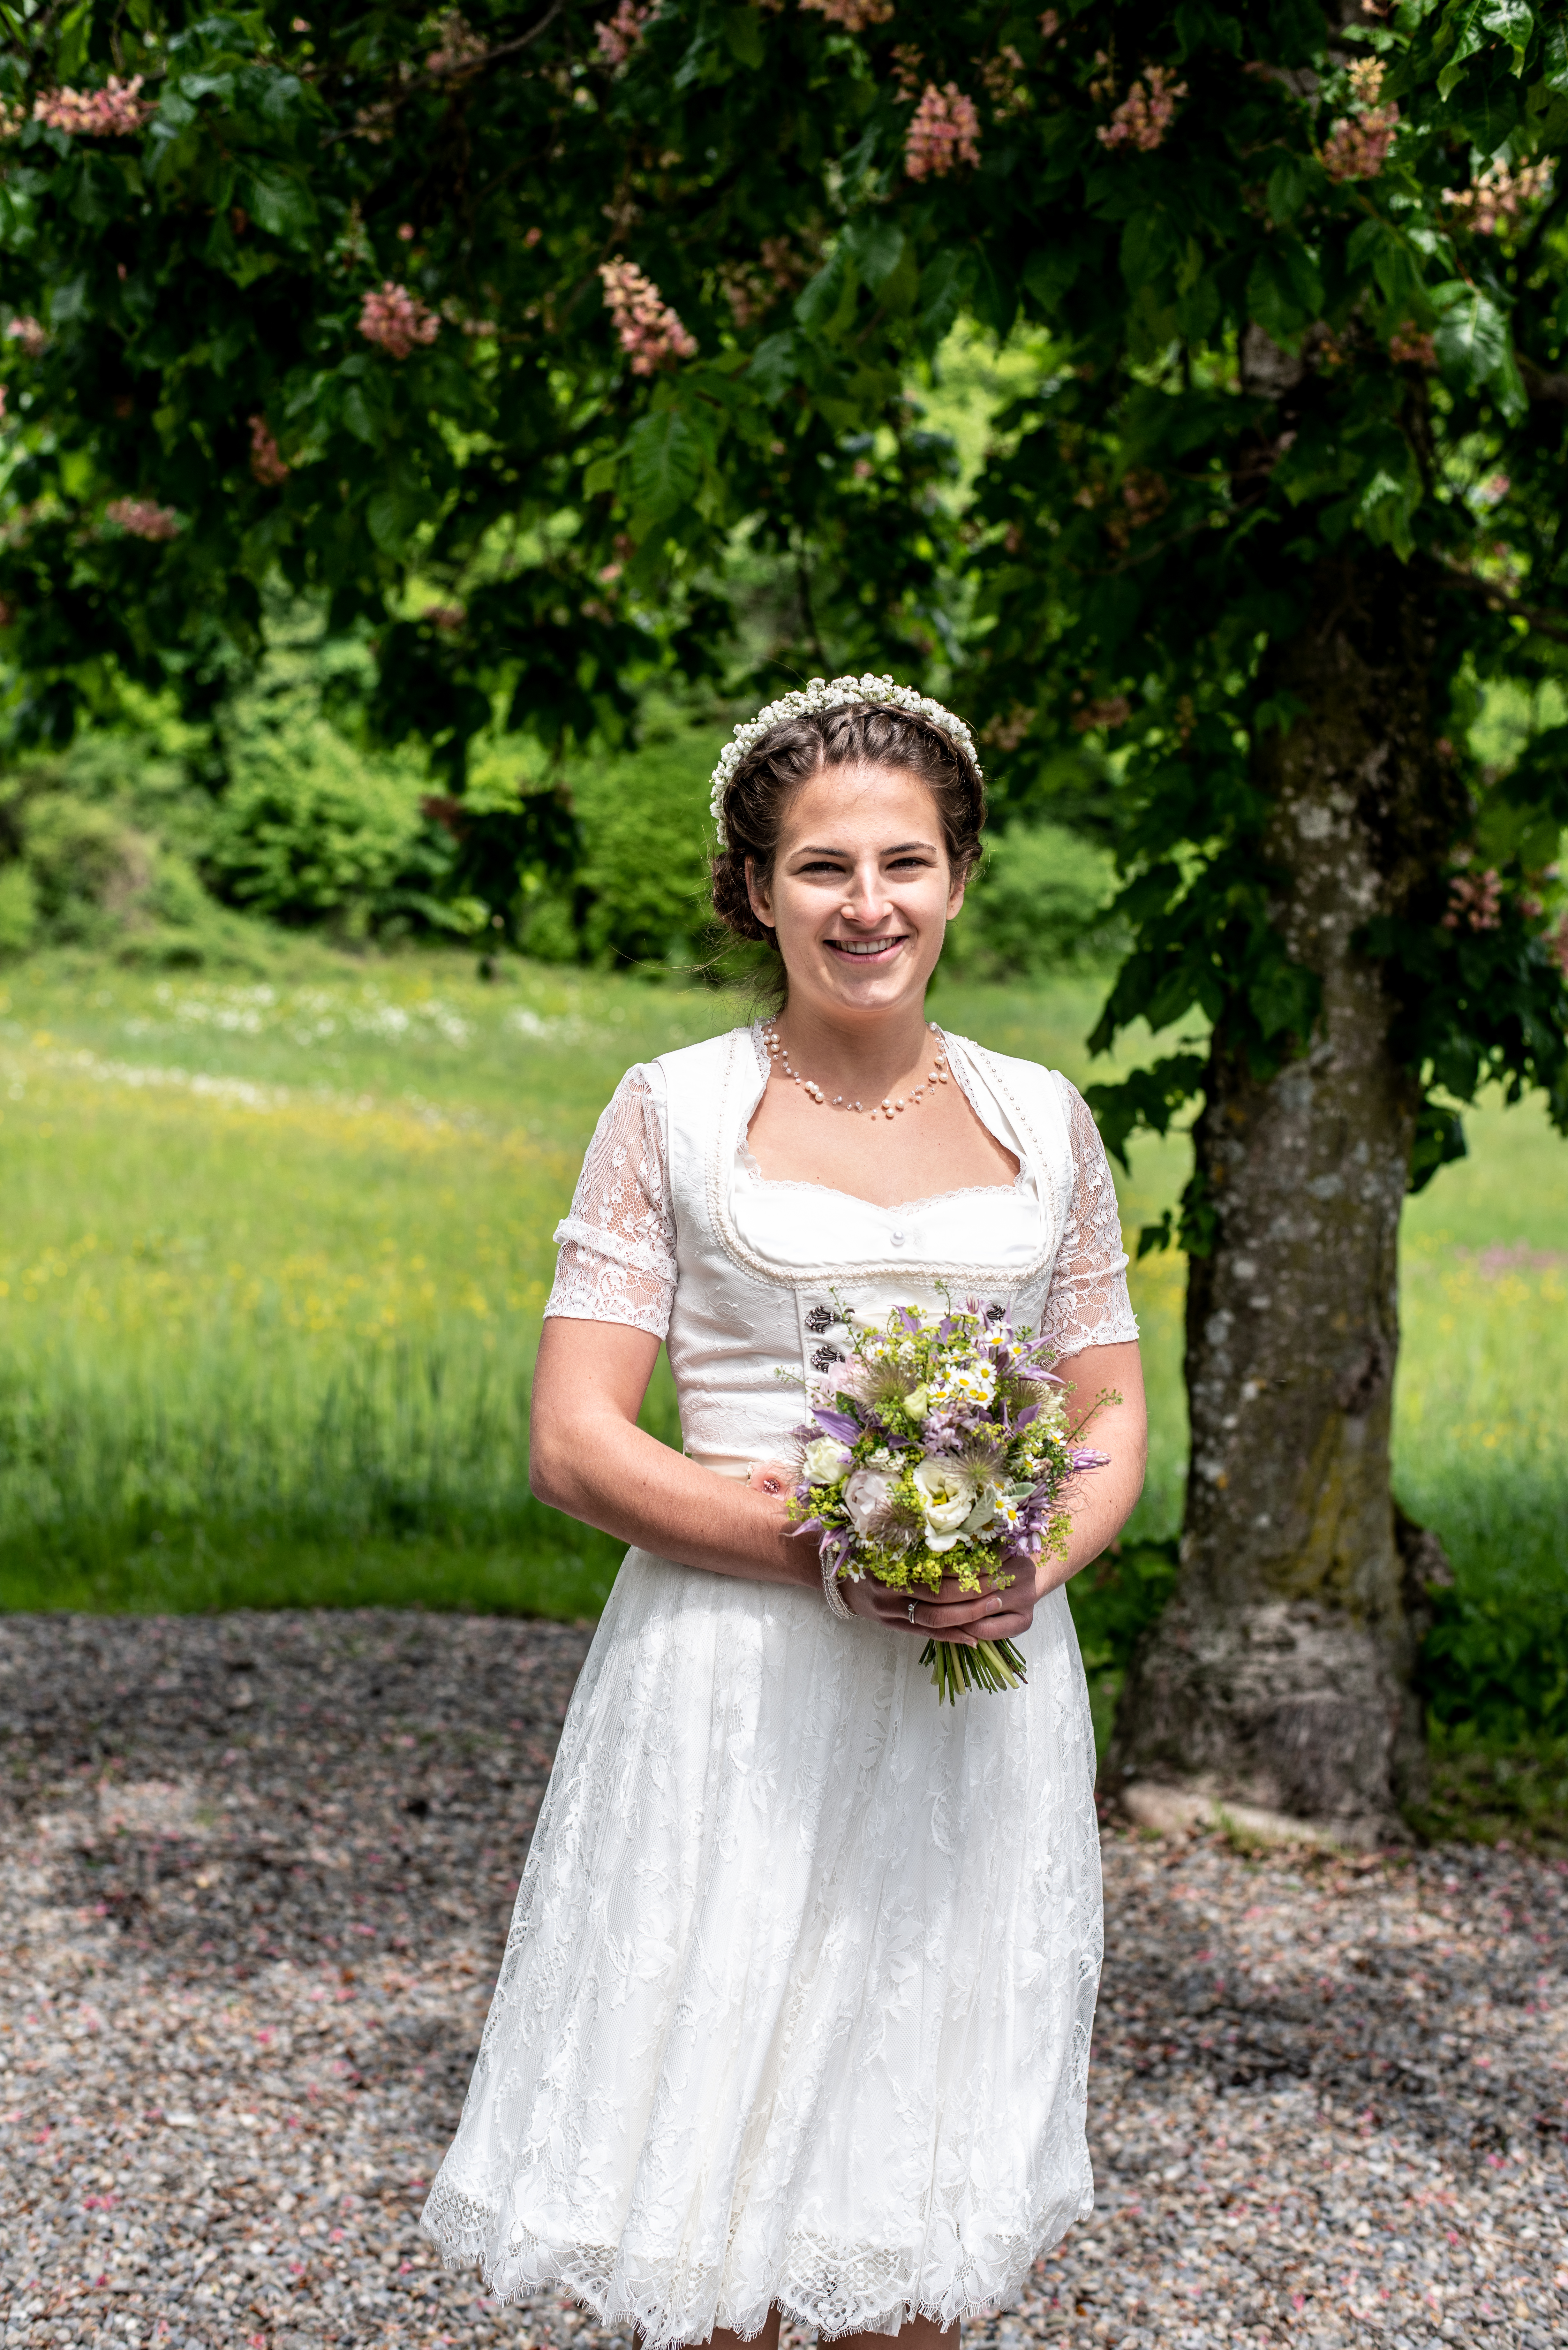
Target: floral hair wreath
821	694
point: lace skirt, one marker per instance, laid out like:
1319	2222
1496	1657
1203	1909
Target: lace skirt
797	2000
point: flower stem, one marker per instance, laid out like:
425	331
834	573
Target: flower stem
990	1664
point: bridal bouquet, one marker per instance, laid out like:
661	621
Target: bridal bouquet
939	1446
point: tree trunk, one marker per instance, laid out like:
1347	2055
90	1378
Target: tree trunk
1281	1674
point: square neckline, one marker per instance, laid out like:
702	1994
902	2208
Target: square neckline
1022	1182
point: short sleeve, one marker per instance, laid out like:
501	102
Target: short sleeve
617	1260
1088	1304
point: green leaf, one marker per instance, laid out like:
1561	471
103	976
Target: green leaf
1285	292
1387	502
876	247
1464	28
817	301
1471	339
1199	27
71	41
775	366
666	463
276	199
943	283
995	293
1555	70
1514	22
1288	184
357	417
744	31
1198	310
601	476
1507	387
1148	247
1048	275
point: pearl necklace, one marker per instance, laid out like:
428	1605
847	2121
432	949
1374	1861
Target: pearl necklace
778	1058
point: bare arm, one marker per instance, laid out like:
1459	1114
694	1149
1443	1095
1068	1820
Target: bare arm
588	1455
1102	1500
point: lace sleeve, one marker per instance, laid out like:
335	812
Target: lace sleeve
616	1261
1088	1304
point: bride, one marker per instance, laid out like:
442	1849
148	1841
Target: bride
795	2012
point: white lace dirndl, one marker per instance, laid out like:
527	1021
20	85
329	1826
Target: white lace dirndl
797	2000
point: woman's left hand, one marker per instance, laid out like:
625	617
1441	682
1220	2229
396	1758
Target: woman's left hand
992	1613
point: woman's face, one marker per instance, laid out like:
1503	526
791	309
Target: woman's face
861	891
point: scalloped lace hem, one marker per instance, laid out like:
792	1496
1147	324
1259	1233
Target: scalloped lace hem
832	2300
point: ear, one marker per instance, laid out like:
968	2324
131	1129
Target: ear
761	897
955	895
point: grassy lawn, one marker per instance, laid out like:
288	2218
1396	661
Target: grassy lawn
273	1255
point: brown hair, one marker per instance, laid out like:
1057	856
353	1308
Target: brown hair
861	734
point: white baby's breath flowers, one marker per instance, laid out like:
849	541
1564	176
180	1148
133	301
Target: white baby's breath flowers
819	694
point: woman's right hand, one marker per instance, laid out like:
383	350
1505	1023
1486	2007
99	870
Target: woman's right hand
949	1613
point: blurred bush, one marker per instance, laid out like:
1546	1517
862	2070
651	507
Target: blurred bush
1038	904
154	837
310	829
639	892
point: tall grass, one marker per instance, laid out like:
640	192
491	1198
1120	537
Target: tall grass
178	1485
272	1258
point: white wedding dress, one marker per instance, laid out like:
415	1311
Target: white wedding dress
796	2002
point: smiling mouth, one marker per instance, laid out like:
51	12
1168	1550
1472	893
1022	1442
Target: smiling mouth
866	950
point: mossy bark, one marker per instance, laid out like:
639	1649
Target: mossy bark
1281	1674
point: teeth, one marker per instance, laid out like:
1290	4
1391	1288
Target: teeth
863	946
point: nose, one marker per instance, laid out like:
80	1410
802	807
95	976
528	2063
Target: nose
865	899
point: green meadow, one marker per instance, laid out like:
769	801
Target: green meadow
273	1251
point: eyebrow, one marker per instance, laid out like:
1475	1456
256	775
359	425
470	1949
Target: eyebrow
900	849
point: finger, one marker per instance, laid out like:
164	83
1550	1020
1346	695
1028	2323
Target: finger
971	1609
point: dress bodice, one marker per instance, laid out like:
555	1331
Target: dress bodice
675	1231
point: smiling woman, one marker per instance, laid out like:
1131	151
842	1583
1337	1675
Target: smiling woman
795	2008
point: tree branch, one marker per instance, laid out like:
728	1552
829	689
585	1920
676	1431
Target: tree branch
387	107
1541	386
1548	624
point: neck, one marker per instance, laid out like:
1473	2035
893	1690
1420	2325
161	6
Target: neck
867	1056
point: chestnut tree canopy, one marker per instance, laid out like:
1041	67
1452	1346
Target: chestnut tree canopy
511	335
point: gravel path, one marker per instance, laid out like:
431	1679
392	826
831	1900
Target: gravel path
254	1876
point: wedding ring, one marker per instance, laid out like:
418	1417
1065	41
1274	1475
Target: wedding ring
911	1611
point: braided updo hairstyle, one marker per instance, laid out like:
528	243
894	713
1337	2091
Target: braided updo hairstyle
860	735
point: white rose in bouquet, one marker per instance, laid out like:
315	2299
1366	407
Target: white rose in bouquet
948	1493
826	1460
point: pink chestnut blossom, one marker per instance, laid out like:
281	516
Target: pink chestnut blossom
1497	196
395	320
141	518
32	336
854	16
1145	115
461	48
1475	901
945	131
268	463
1357	145
649	330
111	112
619	35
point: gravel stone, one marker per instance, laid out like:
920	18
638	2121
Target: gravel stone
255	1872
